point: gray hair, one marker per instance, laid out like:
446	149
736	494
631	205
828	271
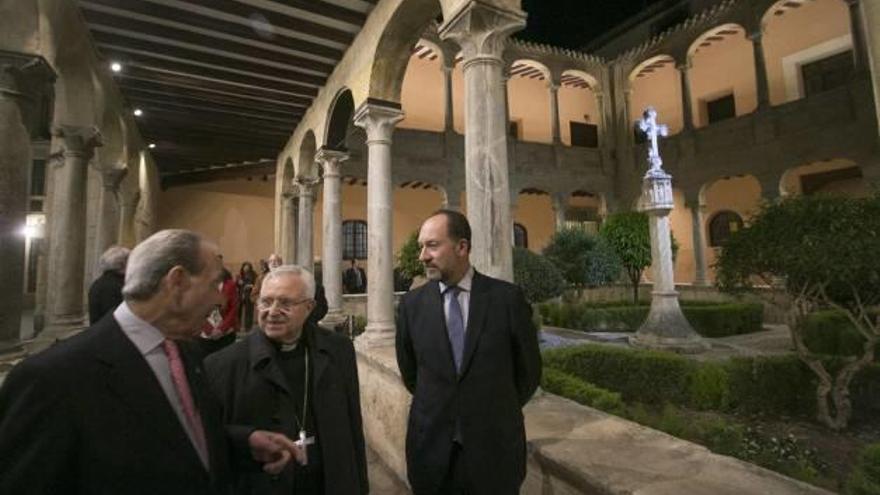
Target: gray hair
153	258
114	259
294	270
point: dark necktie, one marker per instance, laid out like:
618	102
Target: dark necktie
455	325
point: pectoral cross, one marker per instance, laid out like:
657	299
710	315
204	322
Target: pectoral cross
648	124
303	443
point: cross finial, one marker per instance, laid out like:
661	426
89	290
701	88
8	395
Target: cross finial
648	124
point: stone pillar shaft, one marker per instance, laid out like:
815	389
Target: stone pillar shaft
448	115
481	31
687	107
560	201
761	85
128	209
331	252
109	214
378	120
67	237
306	224
699	239
856	23
554	112
289	214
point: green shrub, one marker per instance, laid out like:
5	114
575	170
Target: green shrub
831	332
408	264
772	384
710	387
639	375
708	319
581	258
539	278
865	478
569	386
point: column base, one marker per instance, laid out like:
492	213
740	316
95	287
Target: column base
667	329
332	320
63	327
377	335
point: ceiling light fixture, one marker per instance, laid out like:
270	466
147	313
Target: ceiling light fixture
138	112
116	67
151	145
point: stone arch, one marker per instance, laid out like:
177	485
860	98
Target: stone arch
718	94
656	82
797	33
339	120
423	90
305	163
835	176
578	104
534	212
403	29
528	100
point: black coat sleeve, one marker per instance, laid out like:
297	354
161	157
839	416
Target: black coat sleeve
526	354
406	357
37	436
353	393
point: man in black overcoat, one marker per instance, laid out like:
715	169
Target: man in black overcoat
468	352
297	379
107	411
105	293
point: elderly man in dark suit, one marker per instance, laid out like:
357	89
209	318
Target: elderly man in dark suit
468	352
300	380
105	293
123	407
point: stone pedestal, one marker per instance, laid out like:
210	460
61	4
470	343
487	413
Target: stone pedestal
331	252
378	119
109	213
481	31
67	235
305	225
23	80
666	327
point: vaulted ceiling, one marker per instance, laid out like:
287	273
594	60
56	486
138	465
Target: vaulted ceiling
221	84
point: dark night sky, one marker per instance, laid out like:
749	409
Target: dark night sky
572	23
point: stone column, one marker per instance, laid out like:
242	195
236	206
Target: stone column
687	109
109	214
870	10
761	85
560	203
666	327
128	210
603	121
448	121
554	111
305	239
289	219
378	119
699	239
23	80
481	31
857	24
505	78
67	236
331	252
452	198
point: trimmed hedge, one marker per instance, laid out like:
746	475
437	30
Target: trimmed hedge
865	478
777	385
708	319
566	385
831	332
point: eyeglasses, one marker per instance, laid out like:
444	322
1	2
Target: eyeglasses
283	304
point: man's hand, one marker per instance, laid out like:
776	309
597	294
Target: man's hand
274	450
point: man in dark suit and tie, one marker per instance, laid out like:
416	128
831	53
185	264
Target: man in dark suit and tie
124	408
468	352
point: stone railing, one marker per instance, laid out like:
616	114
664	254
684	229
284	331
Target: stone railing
574	449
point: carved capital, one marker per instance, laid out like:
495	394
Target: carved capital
378	118
481	30
111	178
78	141
27	80
305	186
330	161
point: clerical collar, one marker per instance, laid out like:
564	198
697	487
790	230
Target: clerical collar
288	347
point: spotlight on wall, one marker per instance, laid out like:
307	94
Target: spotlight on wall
138	112
151	145
116	67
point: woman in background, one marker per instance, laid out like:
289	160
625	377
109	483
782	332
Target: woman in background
245	282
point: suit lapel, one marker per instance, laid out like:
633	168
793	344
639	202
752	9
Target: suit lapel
132	381
263	361
437	334
479	304
319	353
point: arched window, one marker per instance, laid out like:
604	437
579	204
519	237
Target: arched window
520	236
354	239
722	225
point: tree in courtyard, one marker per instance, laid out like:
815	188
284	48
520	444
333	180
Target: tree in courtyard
536	275
823	252
628	234
408	264
584	260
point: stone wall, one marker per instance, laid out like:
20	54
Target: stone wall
574	449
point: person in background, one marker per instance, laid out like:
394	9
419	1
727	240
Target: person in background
219	331
245	281
105	292
354	279
274	261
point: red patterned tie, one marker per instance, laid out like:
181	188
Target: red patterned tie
181	385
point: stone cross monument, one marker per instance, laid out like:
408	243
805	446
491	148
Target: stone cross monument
666	327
